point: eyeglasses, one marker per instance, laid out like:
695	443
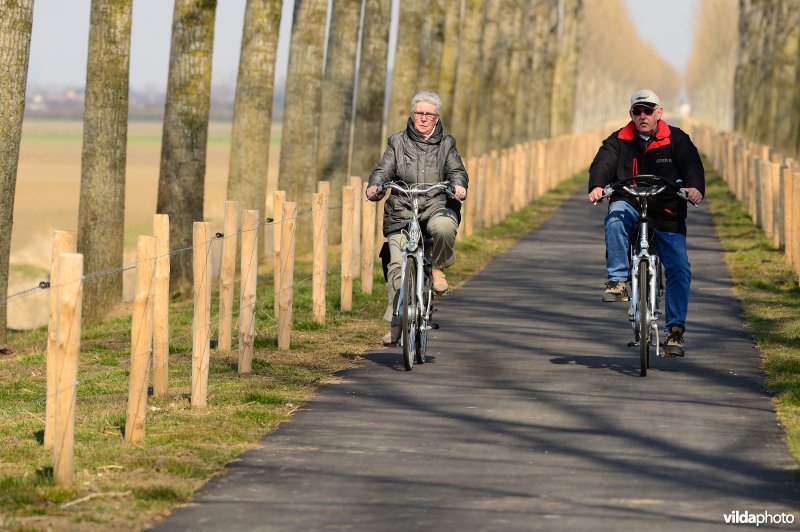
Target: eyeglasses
420	115
636	111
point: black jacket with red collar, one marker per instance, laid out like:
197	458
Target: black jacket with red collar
669	154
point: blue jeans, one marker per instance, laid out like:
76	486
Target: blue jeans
620	222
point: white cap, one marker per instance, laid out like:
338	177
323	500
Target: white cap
645	97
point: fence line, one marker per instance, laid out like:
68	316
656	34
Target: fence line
764	179
503	183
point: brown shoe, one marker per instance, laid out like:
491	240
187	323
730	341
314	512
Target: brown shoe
439	282
391	338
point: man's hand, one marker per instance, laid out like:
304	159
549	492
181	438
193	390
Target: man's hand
371	190
596	194
459	192
693	194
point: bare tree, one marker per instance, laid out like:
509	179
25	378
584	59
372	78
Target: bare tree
252	107
16	23
101	212
338	88
450	55
181	182
406	63
371	87
300	137
432	45
491	56
467	84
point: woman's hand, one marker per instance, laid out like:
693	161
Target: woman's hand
459	192
371	190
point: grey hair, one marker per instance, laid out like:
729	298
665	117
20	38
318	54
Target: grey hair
427	97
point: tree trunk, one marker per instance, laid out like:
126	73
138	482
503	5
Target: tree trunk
16	23
300	137
371	87
406	64
252	107
338	88
450	56
101	213
431	45
467	84
491	48
566	69
181	183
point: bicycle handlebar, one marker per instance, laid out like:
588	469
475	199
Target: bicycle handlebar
657	185
415	190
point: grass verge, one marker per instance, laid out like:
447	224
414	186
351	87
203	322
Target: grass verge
770	297
128	486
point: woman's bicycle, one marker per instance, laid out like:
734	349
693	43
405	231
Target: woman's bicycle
647	284
415	301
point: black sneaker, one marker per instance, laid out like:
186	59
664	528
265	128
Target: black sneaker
616	291
673	345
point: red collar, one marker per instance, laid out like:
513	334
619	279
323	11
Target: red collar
662	134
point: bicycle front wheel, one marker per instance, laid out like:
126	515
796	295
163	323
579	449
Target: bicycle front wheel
422	331
409	320
644	325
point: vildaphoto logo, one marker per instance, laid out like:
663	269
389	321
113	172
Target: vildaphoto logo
761	518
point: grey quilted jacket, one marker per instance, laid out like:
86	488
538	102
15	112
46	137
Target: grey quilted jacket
413	159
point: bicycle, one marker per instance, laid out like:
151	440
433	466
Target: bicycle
415	301
646	271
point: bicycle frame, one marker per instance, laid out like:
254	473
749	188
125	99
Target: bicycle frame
653	263
415	246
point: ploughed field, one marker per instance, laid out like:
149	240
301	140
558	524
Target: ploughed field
48	191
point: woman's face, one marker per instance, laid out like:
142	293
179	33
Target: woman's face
425	118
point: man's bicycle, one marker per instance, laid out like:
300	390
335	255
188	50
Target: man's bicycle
647	277
415	301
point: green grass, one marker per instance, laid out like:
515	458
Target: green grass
770	296
128	485
131	484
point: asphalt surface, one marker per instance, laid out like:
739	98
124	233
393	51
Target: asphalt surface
530	415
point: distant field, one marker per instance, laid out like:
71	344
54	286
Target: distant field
48	189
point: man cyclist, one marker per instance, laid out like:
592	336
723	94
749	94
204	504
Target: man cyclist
648	145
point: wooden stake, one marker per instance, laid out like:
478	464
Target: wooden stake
141	338
161	307
278	199
287	275
355	269
367	243
319	217
346	292
226	276
201	324
247	290
68	342
63	242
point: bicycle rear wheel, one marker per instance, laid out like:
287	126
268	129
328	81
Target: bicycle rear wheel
644	325
422	330
409	318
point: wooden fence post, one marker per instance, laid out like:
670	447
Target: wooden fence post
247	289
141	338
469	214
287	274
201	324
68	342
346	291
319	219
63	242
355	269
227	274
161	307
278	199
367	244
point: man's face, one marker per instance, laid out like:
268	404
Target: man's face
643	122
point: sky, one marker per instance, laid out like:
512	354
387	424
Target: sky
60	39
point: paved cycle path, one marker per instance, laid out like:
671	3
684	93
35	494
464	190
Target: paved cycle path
529	415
